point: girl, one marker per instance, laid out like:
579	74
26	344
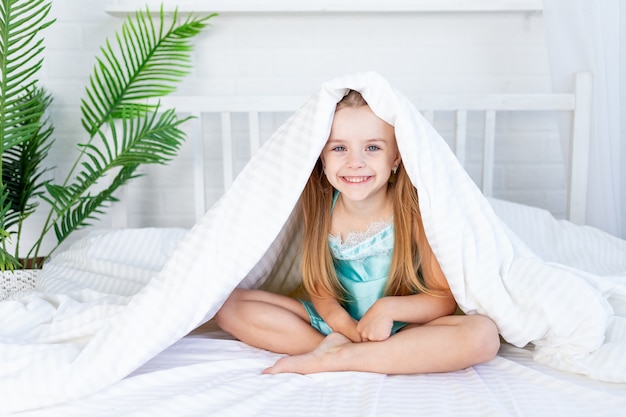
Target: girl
379	301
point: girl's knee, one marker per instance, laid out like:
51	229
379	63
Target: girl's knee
221	316
234	311
228	310
483	338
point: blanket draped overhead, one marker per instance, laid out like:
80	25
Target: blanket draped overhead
102	308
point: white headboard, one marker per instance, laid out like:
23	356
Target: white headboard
577	103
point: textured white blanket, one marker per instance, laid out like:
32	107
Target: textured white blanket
98	313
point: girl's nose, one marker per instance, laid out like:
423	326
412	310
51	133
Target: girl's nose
356	160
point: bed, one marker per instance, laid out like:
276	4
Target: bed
107	337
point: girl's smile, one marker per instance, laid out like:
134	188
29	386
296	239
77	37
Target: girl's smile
356	180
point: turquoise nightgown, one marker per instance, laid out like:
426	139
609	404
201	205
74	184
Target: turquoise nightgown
362	265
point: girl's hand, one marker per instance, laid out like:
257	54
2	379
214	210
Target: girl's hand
352	333
376	324
336	316
349	329
347	326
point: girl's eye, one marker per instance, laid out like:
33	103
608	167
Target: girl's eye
339	148
372	148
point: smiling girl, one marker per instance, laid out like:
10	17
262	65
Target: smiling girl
379	302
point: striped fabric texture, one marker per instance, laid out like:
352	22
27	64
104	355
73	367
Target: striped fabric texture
108	305
207	375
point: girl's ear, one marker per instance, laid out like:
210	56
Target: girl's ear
396	162
321	162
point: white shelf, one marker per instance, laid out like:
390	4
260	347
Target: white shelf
226	7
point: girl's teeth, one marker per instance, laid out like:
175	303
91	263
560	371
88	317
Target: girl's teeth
356	179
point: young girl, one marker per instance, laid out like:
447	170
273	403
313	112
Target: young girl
379	301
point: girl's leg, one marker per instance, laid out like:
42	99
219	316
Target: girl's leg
446	344
269	321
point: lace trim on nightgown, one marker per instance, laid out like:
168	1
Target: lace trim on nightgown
357	237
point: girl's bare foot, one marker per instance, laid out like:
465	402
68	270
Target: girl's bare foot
312	362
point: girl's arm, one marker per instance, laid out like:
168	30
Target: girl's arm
336	316
417	308
423	308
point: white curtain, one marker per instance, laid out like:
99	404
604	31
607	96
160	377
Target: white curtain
584	35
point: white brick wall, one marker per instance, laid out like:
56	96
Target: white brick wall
293	53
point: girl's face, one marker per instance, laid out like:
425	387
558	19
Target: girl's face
360	154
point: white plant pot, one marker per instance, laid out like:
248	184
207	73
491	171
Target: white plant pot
16	282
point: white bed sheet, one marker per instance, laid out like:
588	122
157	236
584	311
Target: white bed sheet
209	374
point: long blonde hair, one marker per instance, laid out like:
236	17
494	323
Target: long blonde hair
412	264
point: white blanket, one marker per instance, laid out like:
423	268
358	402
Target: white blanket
95	319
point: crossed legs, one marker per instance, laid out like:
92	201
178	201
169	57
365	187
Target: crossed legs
268	321
281	324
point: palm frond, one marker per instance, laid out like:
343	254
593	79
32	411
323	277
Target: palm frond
22	163
7	261
89	208
143	62
5	206
153	139
146	139
20	60
146	63
24	133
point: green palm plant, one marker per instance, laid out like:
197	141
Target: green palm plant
124	125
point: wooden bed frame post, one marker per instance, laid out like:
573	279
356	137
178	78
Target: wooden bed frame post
579	149
577	102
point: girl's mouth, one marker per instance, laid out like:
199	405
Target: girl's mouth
356	180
